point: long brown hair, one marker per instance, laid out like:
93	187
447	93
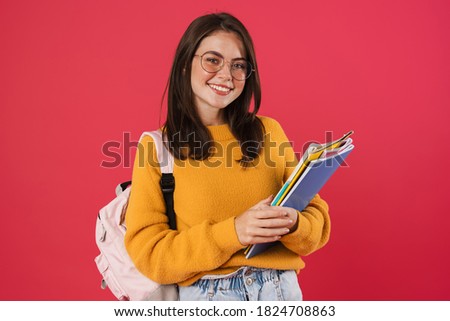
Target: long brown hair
183	126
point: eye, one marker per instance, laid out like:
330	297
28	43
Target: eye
240	65
212	60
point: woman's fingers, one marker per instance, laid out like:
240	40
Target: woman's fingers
253	235
268	212
263	203
267	232
274	223
264	223
292	214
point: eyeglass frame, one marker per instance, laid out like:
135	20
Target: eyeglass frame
223	64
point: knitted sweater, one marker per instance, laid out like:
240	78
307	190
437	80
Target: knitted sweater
208	196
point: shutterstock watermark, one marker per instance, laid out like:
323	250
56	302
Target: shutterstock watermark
120	153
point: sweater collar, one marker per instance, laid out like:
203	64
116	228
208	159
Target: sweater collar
220	132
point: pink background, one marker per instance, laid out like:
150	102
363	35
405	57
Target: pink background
77	74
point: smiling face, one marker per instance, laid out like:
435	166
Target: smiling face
214	91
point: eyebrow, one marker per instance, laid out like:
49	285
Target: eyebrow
219	54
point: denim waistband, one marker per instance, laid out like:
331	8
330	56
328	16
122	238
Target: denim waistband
245	284
263	274
238	279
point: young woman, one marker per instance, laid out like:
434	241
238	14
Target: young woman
228	164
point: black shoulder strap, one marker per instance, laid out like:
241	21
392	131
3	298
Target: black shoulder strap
124	185
168	187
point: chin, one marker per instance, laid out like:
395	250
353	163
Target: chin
222	105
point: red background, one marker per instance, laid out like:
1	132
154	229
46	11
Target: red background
77	74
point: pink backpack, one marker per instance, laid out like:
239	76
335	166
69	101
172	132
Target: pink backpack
118	271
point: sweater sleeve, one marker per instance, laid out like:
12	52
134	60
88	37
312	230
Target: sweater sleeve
313	229
164	255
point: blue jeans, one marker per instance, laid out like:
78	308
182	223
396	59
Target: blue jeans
246	284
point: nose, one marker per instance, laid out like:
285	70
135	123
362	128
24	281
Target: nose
225	71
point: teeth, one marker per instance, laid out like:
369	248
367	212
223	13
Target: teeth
219	88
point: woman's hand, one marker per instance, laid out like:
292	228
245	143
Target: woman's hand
263	223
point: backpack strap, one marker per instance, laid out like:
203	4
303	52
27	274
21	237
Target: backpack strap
122	187
165	159
168	187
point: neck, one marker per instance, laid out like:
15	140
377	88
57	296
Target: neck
212	121
212	118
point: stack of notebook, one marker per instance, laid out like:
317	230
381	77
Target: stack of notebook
317	165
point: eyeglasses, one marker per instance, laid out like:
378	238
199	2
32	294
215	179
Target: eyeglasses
212	62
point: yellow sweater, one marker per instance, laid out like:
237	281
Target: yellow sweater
208	196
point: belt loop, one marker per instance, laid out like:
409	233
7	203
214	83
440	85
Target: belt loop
211	288
276	279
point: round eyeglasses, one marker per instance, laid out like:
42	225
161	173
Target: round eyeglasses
212	62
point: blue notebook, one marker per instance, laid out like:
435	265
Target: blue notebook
309	184
313	178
